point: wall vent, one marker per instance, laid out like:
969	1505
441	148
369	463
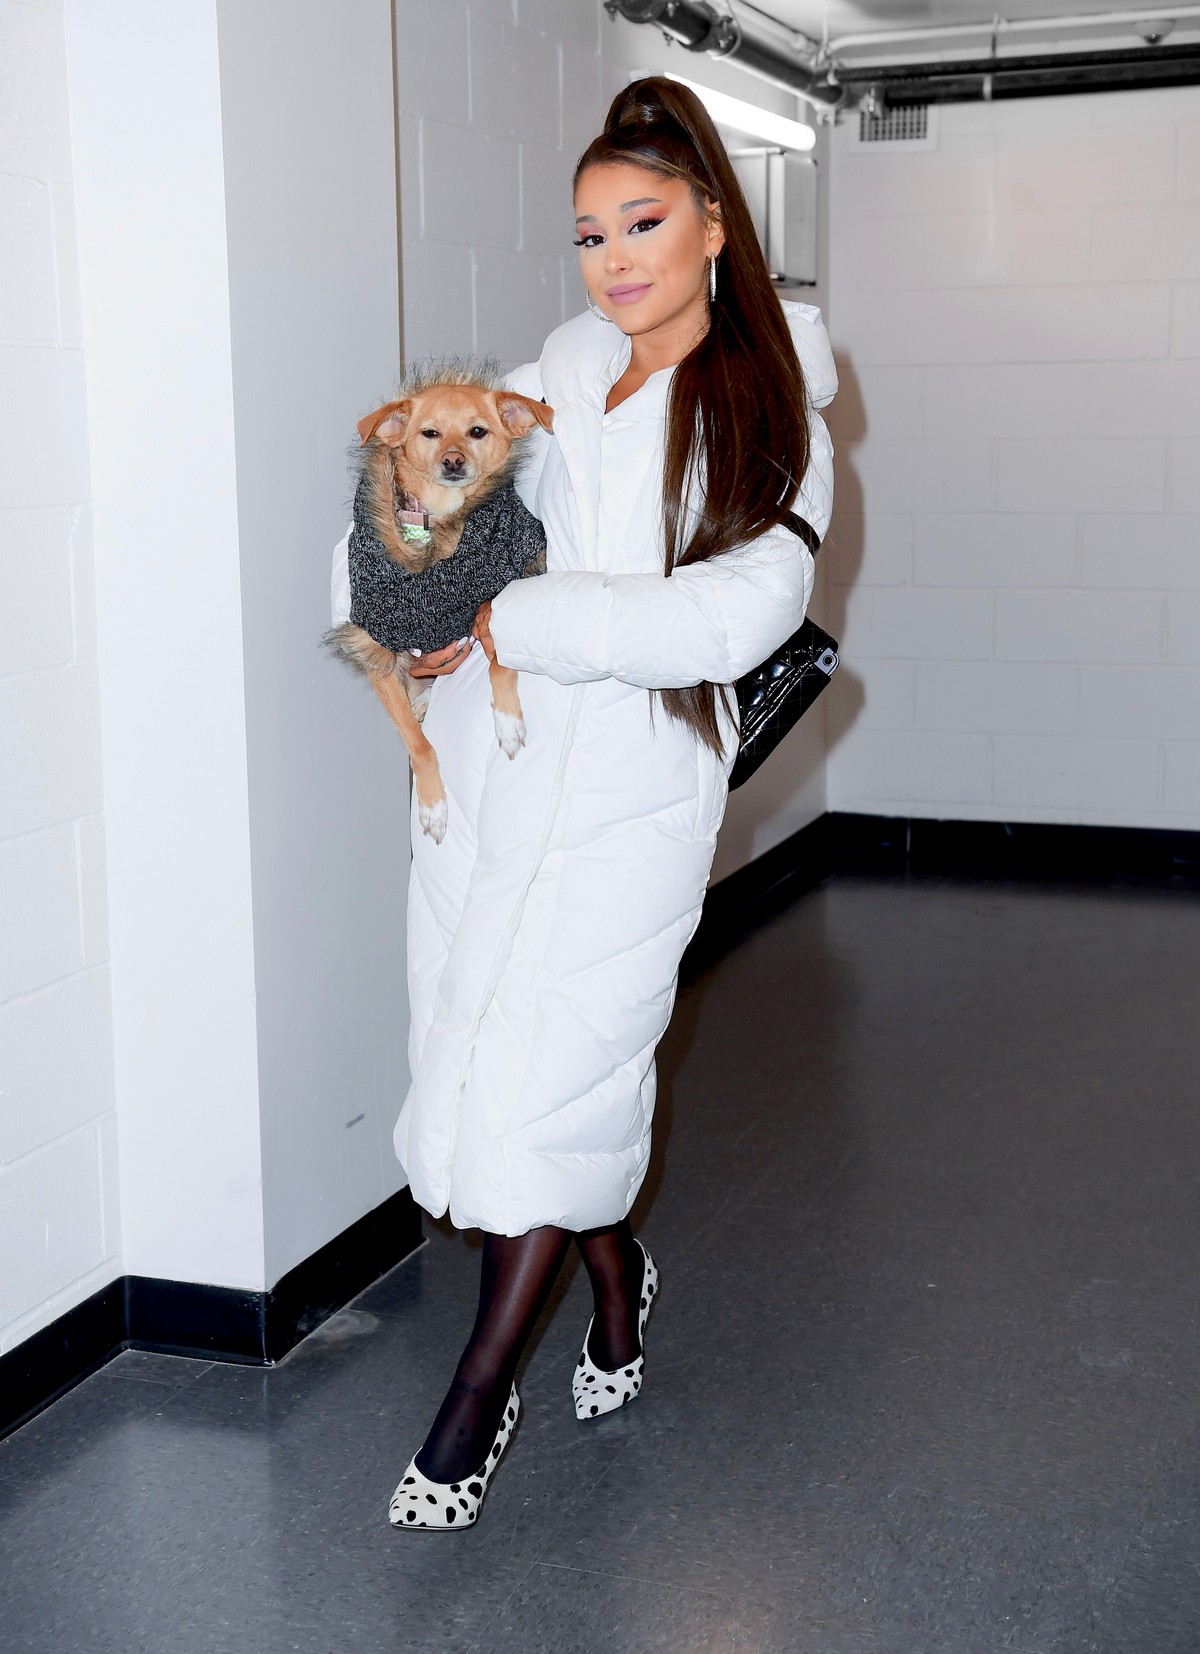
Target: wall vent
912	125
894	126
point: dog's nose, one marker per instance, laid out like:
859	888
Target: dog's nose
453	464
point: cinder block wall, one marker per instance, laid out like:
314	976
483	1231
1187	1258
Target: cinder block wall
1017	313
59	1213
497	99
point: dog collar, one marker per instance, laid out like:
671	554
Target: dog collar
415	522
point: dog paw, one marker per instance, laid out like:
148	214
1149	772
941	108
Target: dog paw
433	819
510	732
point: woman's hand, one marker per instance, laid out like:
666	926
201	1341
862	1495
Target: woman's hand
438	662
481	629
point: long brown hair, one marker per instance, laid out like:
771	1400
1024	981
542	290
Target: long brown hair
737	418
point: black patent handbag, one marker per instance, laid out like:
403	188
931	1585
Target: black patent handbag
775	696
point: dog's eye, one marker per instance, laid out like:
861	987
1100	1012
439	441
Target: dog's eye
478	432
432	435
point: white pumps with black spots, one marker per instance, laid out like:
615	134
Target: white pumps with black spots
596	1391
420	1503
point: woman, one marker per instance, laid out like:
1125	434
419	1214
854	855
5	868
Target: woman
545	932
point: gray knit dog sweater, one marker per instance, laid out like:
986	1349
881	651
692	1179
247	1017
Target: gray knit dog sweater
425	611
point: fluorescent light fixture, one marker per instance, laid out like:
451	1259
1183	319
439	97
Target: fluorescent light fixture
747	117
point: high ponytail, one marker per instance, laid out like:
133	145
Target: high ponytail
737	418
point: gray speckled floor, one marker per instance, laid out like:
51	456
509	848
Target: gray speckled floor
923	1378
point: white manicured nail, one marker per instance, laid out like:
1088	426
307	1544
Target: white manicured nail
461	641
414	651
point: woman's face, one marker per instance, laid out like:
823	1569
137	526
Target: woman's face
644	246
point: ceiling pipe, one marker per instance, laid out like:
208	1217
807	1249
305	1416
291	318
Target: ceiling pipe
696	25
1048	74
1139	20
771	26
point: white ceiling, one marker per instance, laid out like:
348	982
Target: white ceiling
846	16
841	17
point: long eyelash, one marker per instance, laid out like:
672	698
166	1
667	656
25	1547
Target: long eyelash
653	223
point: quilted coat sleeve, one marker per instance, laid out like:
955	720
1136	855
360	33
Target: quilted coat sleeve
706	622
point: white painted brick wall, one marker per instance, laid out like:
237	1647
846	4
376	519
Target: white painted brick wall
1073	772
974	549
896	772
1185	320
502	97
59	1212
872	551
1183	486
907	476
1123	628
888	700
904	623
1017	540
39	911
36	624
1182	779
1183	629
63	1084
51	1223
1000	696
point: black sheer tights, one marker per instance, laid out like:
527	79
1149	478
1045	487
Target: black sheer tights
613	1261
516	1275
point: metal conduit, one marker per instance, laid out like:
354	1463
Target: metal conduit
697	26
1049	74
930	33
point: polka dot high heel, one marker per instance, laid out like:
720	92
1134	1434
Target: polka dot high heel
596	1391
420	1503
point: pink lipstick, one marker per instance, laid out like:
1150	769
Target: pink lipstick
628	294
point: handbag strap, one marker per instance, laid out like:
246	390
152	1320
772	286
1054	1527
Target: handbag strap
805	530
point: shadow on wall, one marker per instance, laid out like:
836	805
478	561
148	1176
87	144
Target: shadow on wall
842	553
795	773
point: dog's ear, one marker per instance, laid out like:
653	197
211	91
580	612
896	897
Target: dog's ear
386	423
519	414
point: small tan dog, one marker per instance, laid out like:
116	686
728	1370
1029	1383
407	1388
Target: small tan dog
432	459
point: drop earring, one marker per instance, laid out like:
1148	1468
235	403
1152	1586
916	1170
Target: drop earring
596	310
712	278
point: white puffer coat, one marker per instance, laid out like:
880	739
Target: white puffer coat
545	932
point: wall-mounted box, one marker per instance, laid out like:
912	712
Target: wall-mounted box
781	189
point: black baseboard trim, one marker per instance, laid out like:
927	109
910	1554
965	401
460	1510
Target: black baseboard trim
214	1323
1011	850
52	1361
898	846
